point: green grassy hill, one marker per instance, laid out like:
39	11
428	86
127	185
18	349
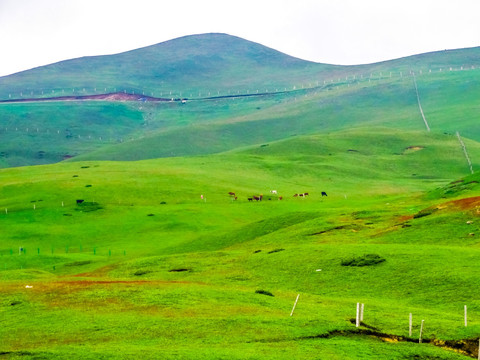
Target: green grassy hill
294	97
208	63
39	133
218	125
191	64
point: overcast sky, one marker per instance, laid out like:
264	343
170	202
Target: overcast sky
40	32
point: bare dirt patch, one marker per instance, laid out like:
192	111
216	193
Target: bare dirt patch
117	96
465	204
412	149
471	203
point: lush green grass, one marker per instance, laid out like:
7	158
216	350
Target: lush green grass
158	270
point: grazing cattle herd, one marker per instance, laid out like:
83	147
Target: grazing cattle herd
301	195
273	192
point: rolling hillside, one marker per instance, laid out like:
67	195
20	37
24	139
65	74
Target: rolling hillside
239	93
135	229
47	132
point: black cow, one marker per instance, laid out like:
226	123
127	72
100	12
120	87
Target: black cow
324	193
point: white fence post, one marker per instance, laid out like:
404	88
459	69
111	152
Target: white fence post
421	332
357	319
479	349
410	323
294	305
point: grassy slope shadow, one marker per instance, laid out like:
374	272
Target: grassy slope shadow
246	233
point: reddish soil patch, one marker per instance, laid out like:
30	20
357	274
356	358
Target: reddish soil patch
405	218
471	203
69	286
117	96
98	282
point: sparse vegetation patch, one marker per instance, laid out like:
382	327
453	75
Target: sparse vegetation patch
88	206
425	212
364	260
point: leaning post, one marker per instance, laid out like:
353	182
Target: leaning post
294	305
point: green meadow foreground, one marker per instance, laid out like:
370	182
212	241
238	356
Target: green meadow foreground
160	262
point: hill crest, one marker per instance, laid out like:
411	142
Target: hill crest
200	63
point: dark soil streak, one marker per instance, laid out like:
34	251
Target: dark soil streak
119	96
340	227
468	347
